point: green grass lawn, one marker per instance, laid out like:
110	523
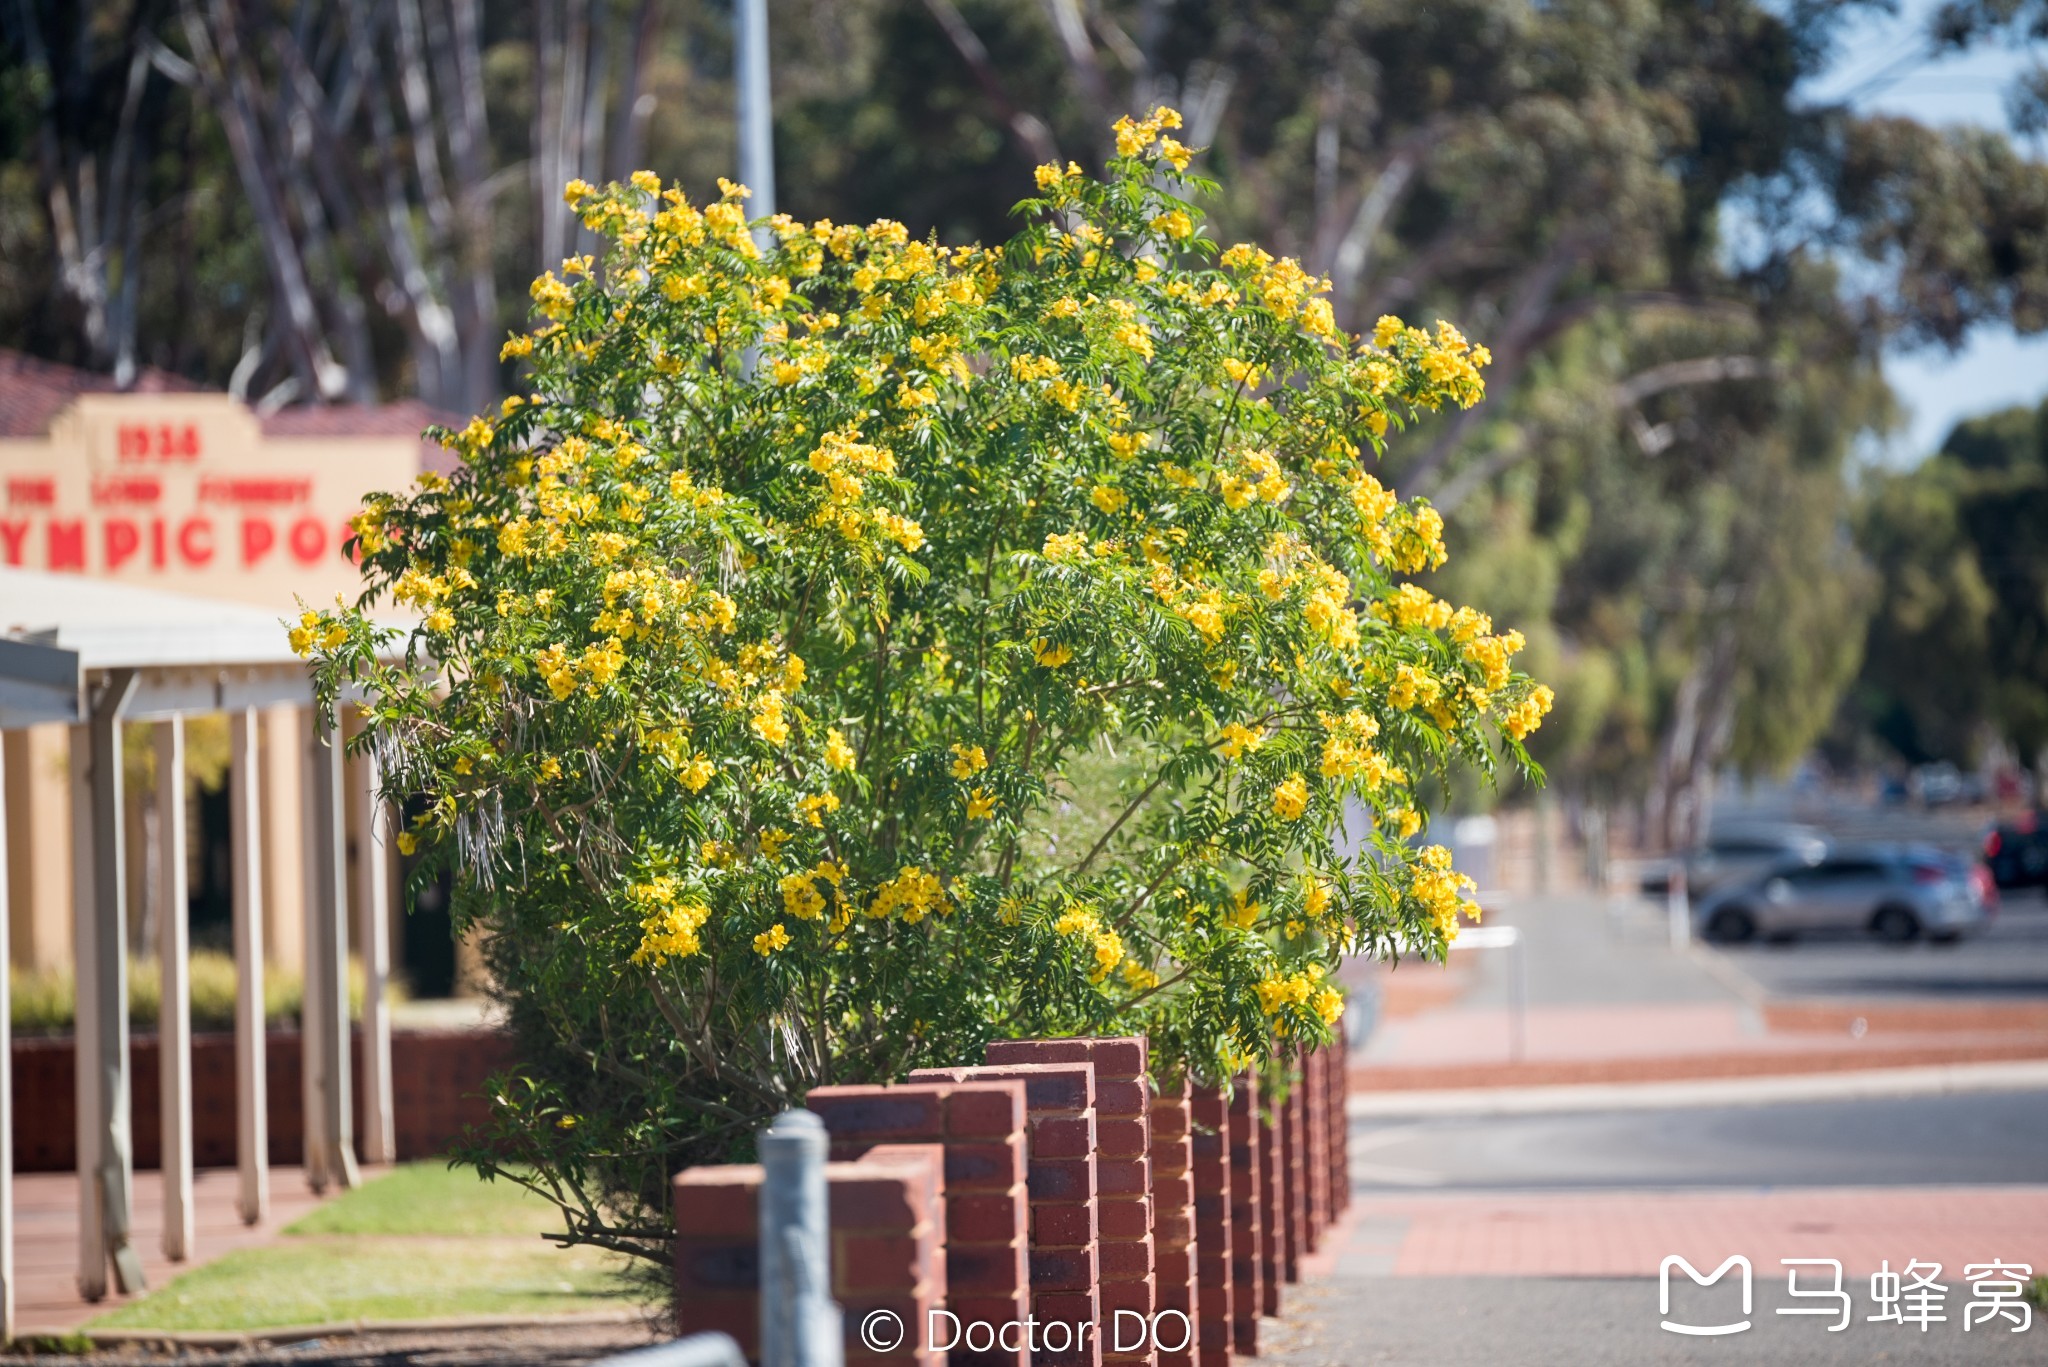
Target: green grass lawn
421	1241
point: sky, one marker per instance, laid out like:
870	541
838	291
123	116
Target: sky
1876	69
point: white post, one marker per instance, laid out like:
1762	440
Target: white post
312	1012
6	1094
252	1119
1678	908
330	1118
373	947
106	1171
174	1016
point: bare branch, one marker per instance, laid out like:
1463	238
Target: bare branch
1683	374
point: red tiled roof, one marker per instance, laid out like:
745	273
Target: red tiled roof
406	418
33	391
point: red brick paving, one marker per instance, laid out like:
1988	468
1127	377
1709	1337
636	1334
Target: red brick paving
1628	1233
46	1237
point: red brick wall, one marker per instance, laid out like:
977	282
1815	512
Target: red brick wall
437	1081
887	1211
1209	1147
1176	1287
1123	1178
981	1126
1061	1176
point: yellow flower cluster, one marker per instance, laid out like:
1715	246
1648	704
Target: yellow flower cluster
838	754
800	895
842	459
593	669
1348	752
813	809
1328	609
669	928
1414	606
1290	799
1492	654
770	940
1413	686
315	630
1135	136
1066	547
1051	656
1237	738
1256	476
1441	891
1106	946
1280	991
1450	364
1527	715
911	894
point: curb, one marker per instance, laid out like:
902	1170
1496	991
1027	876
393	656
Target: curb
247	1338
1936	1080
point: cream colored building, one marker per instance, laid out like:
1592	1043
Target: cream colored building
193	492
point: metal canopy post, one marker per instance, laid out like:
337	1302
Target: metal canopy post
6	1091
105	1151
373	947
174	1013
330	1120
252	1127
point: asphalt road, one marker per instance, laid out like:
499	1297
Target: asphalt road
1989	1137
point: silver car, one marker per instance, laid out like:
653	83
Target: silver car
1734	853
1894	892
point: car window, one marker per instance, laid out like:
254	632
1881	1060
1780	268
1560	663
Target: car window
1745	847
1836	871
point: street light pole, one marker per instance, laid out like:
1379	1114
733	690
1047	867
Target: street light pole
756	131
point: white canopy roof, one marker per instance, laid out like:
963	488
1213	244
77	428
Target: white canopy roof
193	654
122	626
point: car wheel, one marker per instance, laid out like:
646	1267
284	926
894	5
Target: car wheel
1895	925
1731	926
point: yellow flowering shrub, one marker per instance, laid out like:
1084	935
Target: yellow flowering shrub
759	638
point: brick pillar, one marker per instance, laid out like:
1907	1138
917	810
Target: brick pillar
1340	1124
1123	1176
886	1249
1316	1128
1209	1149
981	1126
1246	1257
718	1253
1293	1140
1272	1210
1173	1220
1061	1177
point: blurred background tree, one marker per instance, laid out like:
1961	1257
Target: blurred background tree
1687	271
